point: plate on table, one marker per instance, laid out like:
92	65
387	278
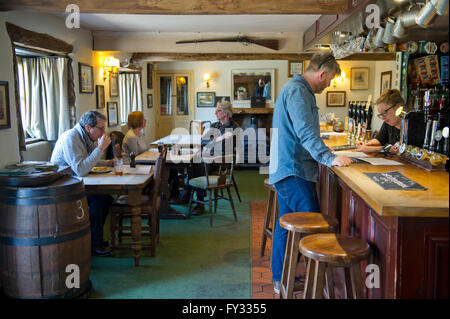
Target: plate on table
101	169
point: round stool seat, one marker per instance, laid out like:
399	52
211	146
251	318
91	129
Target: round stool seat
267	184
333	248
308	223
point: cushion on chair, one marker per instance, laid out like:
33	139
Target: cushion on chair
200	182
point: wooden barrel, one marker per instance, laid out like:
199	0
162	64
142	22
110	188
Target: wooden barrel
45	240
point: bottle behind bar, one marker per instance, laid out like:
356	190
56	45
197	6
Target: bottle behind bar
441	120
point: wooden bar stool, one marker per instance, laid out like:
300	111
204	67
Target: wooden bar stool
271	217
326	251
298	224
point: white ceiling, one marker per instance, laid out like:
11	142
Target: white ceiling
196	23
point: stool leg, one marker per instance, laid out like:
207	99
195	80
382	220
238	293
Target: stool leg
330	282
112	231
357	285
307	293
289	266
266	221
274	221
319	280
347	285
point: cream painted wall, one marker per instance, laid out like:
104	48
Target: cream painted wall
54	26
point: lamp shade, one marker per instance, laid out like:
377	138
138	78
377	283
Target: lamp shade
111	62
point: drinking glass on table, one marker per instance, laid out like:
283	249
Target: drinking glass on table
118	166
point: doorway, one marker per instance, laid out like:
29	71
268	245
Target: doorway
174	101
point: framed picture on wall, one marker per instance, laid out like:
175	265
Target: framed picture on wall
112	114
114	85
149	76
386	80
221	99
149	101
295	67
100	96
359	79
4	106
206	99
335	98
86	78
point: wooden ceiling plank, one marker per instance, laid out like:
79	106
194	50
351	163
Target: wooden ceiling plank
189	7
162	56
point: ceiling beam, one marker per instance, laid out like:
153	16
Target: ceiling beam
161	56
184	7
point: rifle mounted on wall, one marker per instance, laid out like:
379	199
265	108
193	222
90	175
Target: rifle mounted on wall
270	44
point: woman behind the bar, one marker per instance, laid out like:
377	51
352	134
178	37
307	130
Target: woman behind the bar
134	139
389	133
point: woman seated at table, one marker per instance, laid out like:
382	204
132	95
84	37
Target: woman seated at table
134	141
387	104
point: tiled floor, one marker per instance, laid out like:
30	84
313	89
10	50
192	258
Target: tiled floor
262	286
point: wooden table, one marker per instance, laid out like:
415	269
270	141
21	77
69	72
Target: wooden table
179	139
172	160
131	185
408	230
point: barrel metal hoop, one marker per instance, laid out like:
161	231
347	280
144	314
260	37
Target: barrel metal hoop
40	201
44	241
45	191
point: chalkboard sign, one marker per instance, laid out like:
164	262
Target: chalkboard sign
394	181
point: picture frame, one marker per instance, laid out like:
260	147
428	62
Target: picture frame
206	99
86	78
149	76
112	114
100	96
5	118
221	99
113	85
385	81
149	101
359	79
336	98
295	67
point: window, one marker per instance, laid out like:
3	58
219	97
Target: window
44	101
130	94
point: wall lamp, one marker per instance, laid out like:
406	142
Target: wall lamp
338	79
207	78
110	67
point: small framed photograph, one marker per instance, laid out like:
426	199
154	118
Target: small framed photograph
100	96
295	67
359	79
386	80
4	106
149	101
335	98
86	78
149	76
113	85
112	114
206	99
221	99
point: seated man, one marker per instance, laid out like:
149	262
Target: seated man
214	142
76	148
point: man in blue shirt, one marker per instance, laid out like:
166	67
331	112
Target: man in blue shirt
296	152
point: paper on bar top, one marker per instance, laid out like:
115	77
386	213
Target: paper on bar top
350	154
381	161
138	170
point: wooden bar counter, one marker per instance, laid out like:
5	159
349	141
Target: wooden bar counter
407	230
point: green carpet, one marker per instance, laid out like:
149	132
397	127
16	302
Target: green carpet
192	260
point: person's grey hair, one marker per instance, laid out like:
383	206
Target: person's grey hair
90	118
227	108
324	60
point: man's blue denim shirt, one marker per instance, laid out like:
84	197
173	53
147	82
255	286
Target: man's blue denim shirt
298	146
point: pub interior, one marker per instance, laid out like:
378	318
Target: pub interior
383	228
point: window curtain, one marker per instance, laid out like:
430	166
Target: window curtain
44	101
130	94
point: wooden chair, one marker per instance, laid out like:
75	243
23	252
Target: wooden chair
270	218
198	127
149	210
326	251
214	183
